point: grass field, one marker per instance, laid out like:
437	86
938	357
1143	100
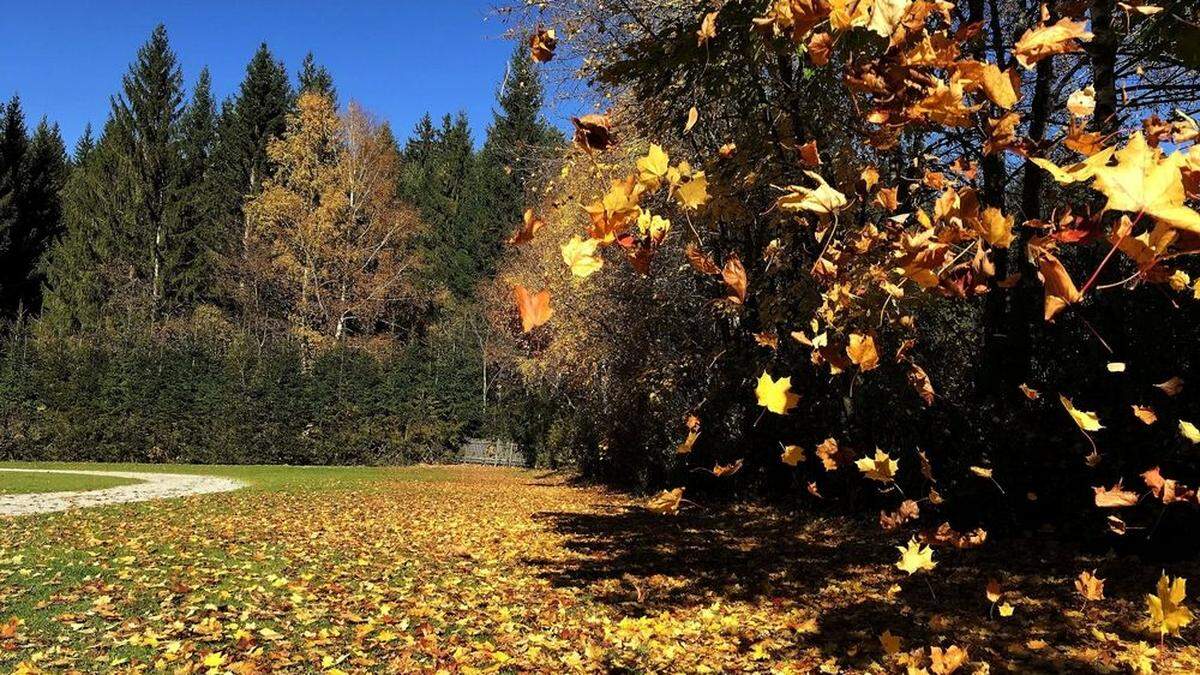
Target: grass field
474	569
12	483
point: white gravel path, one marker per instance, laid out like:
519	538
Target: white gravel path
150	486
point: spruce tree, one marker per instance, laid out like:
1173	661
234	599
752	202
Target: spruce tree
314	78
123	207
501	178
146	124
193	266
257	114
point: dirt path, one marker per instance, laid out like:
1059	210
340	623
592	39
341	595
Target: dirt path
150	486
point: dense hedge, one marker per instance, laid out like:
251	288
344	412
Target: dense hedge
219	395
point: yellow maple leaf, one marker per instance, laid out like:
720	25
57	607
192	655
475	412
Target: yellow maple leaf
653	167
792	455
1144	181
996	228
1088	421
694	193
881	467
1060	38
580	256
915	557
1167	613
821	199
776	395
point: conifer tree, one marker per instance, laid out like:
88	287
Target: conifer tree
249	121
314	78
194	264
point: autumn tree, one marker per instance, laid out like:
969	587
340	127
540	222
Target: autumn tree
329	239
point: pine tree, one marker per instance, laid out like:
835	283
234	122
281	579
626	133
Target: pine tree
256	115
316	79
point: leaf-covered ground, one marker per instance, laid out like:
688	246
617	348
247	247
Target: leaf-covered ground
461	569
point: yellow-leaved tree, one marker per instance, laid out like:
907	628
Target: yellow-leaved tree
331	246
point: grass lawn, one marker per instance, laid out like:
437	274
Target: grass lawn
468	569
13	483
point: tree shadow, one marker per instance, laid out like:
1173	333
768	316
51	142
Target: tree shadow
843	573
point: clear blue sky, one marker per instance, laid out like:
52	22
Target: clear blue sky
398	58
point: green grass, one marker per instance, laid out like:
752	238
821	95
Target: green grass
269	478
13	483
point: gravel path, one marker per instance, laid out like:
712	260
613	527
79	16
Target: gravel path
150	486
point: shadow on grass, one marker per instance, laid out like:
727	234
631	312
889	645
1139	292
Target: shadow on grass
843	574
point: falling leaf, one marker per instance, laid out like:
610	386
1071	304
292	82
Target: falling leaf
535	309
828	452
920	381
694	193
792	455
1088	421
734	276
915	557
881	467
592	132
1143	181
821	199
542	44
1189	431
992	591
1116	367
1171	387
1082	102
1043	41
1115	497
809	154
529	227
720	470
1089	585
861	351
820	46
1145	414
1029	392
653	167
981	471
1166	610
776	395
667	502
580	255
1006	610
700	261
1060	290
692	117
996	228
708	28
686	446
886	15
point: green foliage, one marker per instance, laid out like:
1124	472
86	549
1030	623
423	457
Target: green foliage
203	391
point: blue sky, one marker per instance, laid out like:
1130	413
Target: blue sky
398	58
